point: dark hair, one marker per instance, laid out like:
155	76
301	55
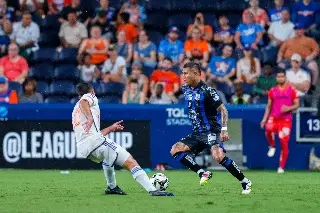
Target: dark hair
85	55
26	12
168	59
74	11
83	88
27	81
146	32
102	14
125	17
192	65
134	81
281	71
227	45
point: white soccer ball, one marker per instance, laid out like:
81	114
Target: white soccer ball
160	181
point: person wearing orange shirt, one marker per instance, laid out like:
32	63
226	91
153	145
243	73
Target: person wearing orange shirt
7	95
130	29
56	6
197	48
168	78
260	15
206	30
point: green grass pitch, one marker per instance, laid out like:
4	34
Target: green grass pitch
82	191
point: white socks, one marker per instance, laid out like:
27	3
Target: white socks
110	175
141	177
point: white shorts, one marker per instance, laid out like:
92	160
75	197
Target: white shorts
109	152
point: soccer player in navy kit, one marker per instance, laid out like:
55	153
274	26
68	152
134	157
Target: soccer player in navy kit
203	105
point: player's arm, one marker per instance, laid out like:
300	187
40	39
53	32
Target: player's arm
85	108
296	105
224	122
112	128
266	112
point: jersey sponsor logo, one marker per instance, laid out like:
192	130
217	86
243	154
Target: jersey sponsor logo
212	137
177	117
50	145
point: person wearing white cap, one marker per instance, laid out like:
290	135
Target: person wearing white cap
298	77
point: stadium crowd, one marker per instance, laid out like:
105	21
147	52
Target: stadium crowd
134	52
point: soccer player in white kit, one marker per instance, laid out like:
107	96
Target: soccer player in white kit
94	145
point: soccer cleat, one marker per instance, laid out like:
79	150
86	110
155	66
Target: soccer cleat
114	191
161	193
205	177
246	187
271	152
280	170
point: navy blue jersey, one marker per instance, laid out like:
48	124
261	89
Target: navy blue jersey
203	102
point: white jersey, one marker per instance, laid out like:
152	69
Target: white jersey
85	140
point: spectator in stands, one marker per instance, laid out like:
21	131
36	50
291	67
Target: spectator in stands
248	68
225	33
264	83
137	74
109	11
73	32
304	13
136	11
171	47
159	96
222	68
306	47
6	13
197	48
107	29
133	95
114	69
248	33
89	71
32	5
26	34
13	66
298	77
259	14
74	6
56	6
240	97
96	46
5	31
167	77
6	94
275	14
205	30
282	30
29	94
124	48
125	25
145	51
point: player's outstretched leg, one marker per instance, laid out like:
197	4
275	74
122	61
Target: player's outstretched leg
181	153
110	175
218	153
284	143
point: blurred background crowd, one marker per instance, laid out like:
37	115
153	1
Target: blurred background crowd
133	51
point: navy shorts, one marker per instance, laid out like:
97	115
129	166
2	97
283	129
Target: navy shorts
197	142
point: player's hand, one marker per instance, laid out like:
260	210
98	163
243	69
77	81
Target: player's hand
117	126
263	123
285	109
88	124
224	136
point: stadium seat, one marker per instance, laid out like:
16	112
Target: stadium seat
43	87
157	5
269	55
62	88
113	89
183	5
247	88
234	5
116	3
50	22
155	21
181	20
225	88
66	72
74	100
42	72
68	55
234	19
110	100
210	19
97	89
155	37
57	99
49	39
148	71
15	86
204	5
45	55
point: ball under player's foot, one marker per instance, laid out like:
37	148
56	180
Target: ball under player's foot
114	191
246	187
271	151
205	177
280	170
161	193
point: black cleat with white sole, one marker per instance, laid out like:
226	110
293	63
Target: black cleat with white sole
114	191
161	193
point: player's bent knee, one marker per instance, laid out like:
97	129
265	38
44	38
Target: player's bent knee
130	163
177	147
